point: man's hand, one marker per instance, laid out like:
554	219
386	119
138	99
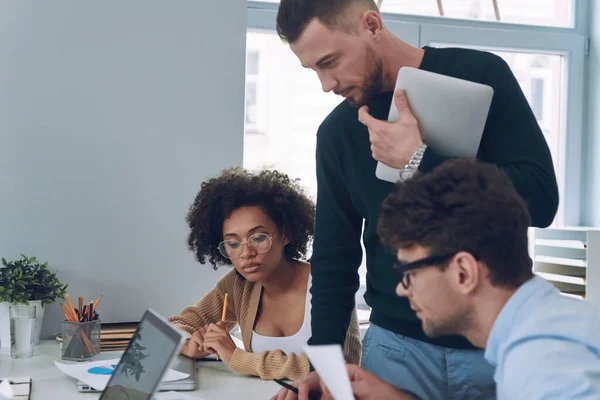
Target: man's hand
310	383
194	346
367	386
217	339
393	143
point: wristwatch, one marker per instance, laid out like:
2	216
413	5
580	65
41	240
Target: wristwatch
413	164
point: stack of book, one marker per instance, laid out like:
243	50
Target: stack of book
116	336
113	336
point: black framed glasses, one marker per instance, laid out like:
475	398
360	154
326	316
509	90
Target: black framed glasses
259	242
403	269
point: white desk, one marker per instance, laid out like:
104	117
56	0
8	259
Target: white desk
215	380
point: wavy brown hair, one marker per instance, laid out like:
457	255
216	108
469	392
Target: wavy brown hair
280	198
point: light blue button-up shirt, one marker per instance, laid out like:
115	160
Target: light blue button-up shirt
545	346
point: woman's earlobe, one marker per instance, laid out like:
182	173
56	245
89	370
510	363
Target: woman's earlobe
285	237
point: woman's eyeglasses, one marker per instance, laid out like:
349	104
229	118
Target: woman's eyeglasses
259	242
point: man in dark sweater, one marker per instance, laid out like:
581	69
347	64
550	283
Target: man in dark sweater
354	55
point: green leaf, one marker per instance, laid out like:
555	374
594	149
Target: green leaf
26	279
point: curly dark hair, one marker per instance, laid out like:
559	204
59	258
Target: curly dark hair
462	205
280	197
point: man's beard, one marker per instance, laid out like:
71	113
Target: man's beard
373	82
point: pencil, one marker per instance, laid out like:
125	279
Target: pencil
89	310
224	313
68	315
97	302
287	385
80	298
224	308
70	302
293	388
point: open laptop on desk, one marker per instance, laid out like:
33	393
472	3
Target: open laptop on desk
150	353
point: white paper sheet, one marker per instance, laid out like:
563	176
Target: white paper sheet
98	382
5	390
329	363
238	342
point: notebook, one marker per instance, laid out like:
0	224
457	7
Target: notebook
18	388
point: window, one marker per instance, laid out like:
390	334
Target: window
296	106
548	63
251	98
529	12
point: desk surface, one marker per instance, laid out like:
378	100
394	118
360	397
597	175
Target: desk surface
215	380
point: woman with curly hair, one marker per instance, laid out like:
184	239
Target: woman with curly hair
261	224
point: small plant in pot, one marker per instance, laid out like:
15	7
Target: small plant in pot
26	281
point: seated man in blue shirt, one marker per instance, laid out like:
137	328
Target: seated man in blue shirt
460	236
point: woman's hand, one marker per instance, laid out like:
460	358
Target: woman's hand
194	346
217	339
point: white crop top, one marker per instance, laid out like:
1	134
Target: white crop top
287	344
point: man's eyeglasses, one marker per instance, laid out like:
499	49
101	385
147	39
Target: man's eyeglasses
259	242
403	269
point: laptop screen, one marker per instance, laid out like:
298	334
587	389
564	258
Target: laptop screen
145	360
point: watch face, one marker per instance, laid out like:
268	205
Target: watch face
406	173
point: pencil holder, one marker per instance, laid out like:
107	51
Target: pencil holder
81	340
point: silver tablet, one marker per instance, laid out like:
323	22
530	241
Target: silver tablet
148	356
451	113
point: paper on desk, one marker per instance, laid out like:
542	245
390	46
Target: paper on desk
329	363
98	382
5	390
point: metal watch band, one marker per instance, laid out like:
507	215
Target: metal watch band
416	159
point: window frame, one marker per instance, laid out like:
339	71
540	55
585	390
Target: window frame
571	46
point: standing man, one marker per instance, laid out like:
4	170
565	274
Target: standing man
354	55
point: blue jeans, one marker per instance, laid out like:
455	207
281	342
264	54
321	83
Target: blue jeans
425	370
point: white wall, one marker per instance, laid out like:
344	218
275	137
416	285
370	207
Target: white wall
111	115
591	177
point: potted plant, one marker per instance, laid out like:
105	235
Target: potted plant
26	281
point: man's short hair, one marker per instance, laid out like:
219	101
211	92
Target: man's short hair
294	15
462	205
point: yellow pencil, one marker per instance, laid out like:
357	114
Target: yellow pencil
223	313
224	308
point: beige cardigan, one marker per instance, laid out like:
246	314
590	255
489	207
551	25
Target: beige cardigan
243	301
